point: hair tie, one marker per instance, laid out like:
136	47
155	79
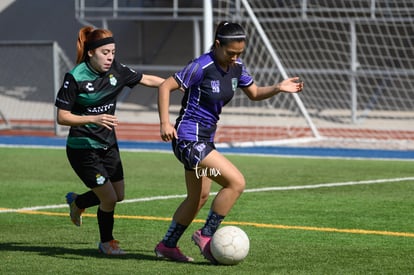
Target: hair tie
240	36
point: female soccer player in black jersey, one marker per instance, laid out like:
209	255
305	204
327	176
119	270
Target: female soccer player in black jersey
209	82
86	102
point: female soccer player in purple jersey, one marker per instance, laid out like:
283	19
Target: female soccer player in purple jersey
86	102
209	83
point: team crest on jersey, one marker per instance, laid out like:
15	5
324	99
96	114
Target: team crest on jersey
100	179
112	80
234	83
200	147
215	86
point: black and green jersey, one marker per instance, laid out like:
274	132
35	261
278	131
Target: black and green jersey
86	92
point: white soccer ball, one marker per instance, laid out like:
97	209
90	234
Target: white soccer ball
229	245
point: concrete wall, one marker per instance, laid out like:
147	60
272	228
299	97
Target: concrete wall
138	42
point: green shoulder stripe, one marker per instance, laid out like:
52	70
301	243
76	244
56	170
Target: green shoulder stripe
81	72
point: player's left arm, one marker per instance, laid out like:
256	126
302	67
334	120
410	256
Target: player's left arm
66	117
289	85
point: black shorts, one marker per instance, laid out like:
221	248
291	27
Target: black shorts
96	166
190	153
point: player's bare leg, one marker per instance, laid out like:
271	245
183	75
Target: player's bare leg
225	173
221	170
198	190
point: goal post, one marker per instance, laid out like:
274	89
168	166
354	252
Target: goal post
355	58
279	65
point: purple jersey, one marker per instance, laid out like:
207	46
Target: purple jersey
207	89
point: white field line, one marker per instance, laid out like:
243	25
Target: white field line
265	189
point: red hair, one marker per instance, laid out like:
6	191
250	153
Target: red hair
86	35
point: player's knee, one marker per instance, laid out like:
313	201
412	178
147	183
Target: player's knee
239	184
109	201
120	197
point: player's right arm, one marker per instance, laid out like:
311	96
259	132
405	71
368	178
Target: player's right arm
167	131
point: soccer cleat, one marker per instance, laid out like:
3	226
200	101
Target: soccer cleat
75	212
172	253
203	242
111	248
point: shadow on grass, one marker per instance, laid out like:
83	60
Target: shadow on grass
69	253
73	254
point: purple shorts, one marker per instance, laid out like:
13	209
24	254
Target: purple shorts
190	153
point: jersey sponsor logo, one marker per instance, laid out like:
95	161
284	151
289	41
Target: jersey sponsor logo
100	109
66	84
234	84
89	87
215	86
112	80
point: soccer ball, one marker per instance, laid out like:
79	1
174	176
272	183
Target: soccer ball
229	245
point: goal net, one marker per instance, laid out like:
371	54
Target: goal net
355	57
30	80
